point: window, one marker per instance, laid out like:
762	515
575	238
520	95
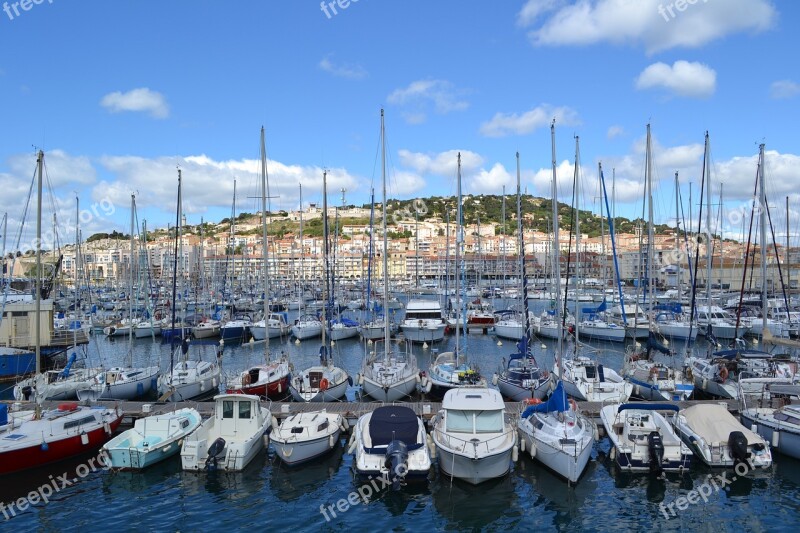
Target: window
489	422
244	410
459	421
227	409
79	422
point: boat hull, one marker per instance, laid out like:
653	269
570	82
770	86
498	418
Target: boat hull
474	471
298	452
390	393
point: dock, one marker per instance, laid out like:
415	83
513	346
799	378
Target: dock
352	410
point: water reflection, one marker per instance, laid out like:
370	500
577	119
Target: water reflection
471	507
290	483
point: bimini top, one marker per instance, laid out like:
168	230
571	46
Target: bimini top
714	423
393	422
473	399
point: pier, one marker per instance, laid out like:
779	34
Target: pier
350	410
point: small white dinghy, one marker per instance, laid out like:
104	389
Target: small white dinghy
231	438
306	436
151	440
718	439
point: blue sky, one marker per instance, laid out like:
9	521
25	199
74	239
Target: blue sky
120	93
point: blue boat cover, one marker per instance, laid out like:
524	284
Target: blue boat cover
556	402
393	422
649	407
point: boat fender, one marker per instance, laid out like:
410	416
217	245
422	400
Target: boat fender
431	447
418	379
612	453
705	384
754	428
344	425
107	428
428	387
323	384
596	433
280	387
637	390
351	446
494	379
331	441
275	424
522	445
84	439
776	435
573	405
514	454
532	451
360	379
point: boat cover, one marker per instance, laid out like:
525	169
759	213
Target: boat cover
714	423
393	422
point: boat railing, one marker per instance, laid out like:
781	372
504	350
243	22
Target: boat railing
478	443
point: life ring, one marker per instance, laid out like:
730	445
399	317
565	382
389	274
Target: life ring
573	405
723	373
531	401
323	384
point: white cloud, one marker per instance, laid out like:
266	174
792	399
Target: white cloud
420	95
441	164
683	78
404	183
209	183
344	70
656	24
503	124
784	89
138	100
492	181
61	168
614	132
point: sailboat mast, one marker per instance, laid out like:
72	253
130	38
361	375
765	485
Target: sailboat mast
762	193
175	271
38	283
650	232
385	258
522	271
130	277
577	236
301	293
459	243
327	273
709	252
265	242
678	232
556	251
503	216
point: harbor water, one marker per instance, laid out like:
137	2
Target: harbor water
325	496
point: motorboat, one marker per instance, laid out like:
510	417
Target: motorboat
643	440
423	321
151	439
231	438
305	436
770	410
587	380
473	439
391	443
718	439
274	326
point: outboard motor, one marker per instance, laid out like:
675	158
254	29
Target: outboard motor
656	448
396	462
214	451
737	447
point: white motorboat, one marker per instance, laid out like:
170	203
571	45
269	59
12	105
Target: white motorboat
718	439
509	325
207	329
585	379
423	321
557	435
147	328
151	440
274	326
306	436
642	438
767	408
391	443
231	438
473	439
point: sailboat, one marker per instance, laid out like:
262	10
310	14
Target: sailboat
554	432
38	438
651	379
271	378
324	382
452	370
124	383
522	378
583	377
395	375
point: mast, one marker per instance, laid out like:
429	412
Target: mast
556	250
385	258
325	286
523	273
709	251
38	284
301	294
678	233
175	272
265	243
786	260
762	193
650	232
503	267
459	242
130	278
577	237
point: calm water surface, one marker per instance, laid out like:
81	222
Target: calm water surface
270	496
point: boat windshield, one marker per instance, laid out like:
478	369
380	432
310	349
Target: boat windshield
475	421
